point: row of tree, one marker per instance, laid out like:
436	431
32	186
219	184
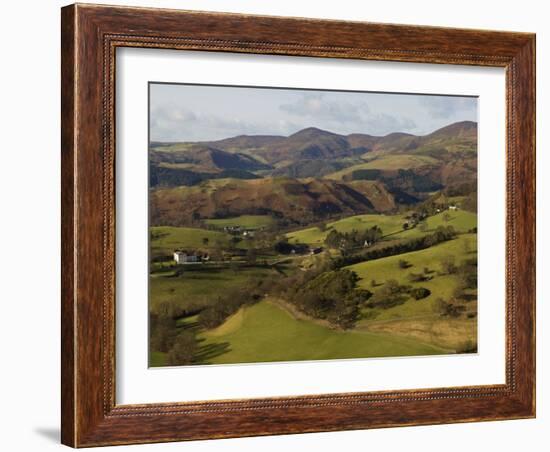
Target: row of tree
441	234
179	344
347	241
226	305
332	296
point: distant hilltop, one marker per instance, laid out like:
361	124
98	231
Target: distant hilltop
315	143
312	173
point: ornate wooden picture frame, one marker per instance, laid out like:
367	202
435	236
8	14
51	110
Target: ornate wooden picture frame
90	37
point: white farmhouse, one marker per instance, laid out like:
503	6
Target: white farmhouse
181	257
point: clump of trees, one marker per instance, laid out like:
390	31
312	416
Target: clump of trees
418	293
403	264
283	246
468	274
165	335
332	296
390	294
228	304
447	309
163	332
441	234
354	239
467	279
183	350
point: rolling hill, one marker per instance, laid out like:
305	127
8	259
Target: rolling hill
313	167
177	165
364	244
406	168
310	144
250	152
204	158
242	143
298	201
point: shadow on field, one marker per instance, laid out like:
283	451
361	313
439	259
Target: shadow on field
205	352
192	326
210	351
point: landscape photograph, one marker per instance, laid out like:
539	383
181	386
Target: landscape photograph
301	225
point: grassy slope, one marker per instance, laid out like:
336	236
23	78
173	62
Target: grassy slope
244	221
391	225
415	319
418	318
177	237
200	287
388	224
461	220
387	162
265	332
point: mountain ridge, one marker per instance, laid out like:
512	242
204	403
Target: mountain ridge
309	152
298	201
312	174
262	138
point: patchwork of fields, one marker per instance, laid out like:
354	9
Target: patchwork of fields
266	329
315	245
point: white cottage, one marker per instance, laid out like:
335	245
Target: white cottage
181	257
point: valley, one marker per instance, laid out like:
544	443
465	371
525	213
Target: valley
313	246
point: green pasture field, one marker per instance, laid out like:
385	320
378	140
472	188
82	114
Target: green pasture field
171	238
441	286
388	223
387	162
266	333
460	220
419	318
391	225
200	285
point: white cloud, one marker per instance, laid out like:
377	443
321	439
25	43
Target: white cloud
447	106
174	123
384	124
204	112
316	106
345	116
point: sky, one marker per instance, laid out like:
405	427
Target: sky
204	113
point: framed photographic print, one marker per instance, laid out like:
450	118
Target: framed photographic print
279	225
